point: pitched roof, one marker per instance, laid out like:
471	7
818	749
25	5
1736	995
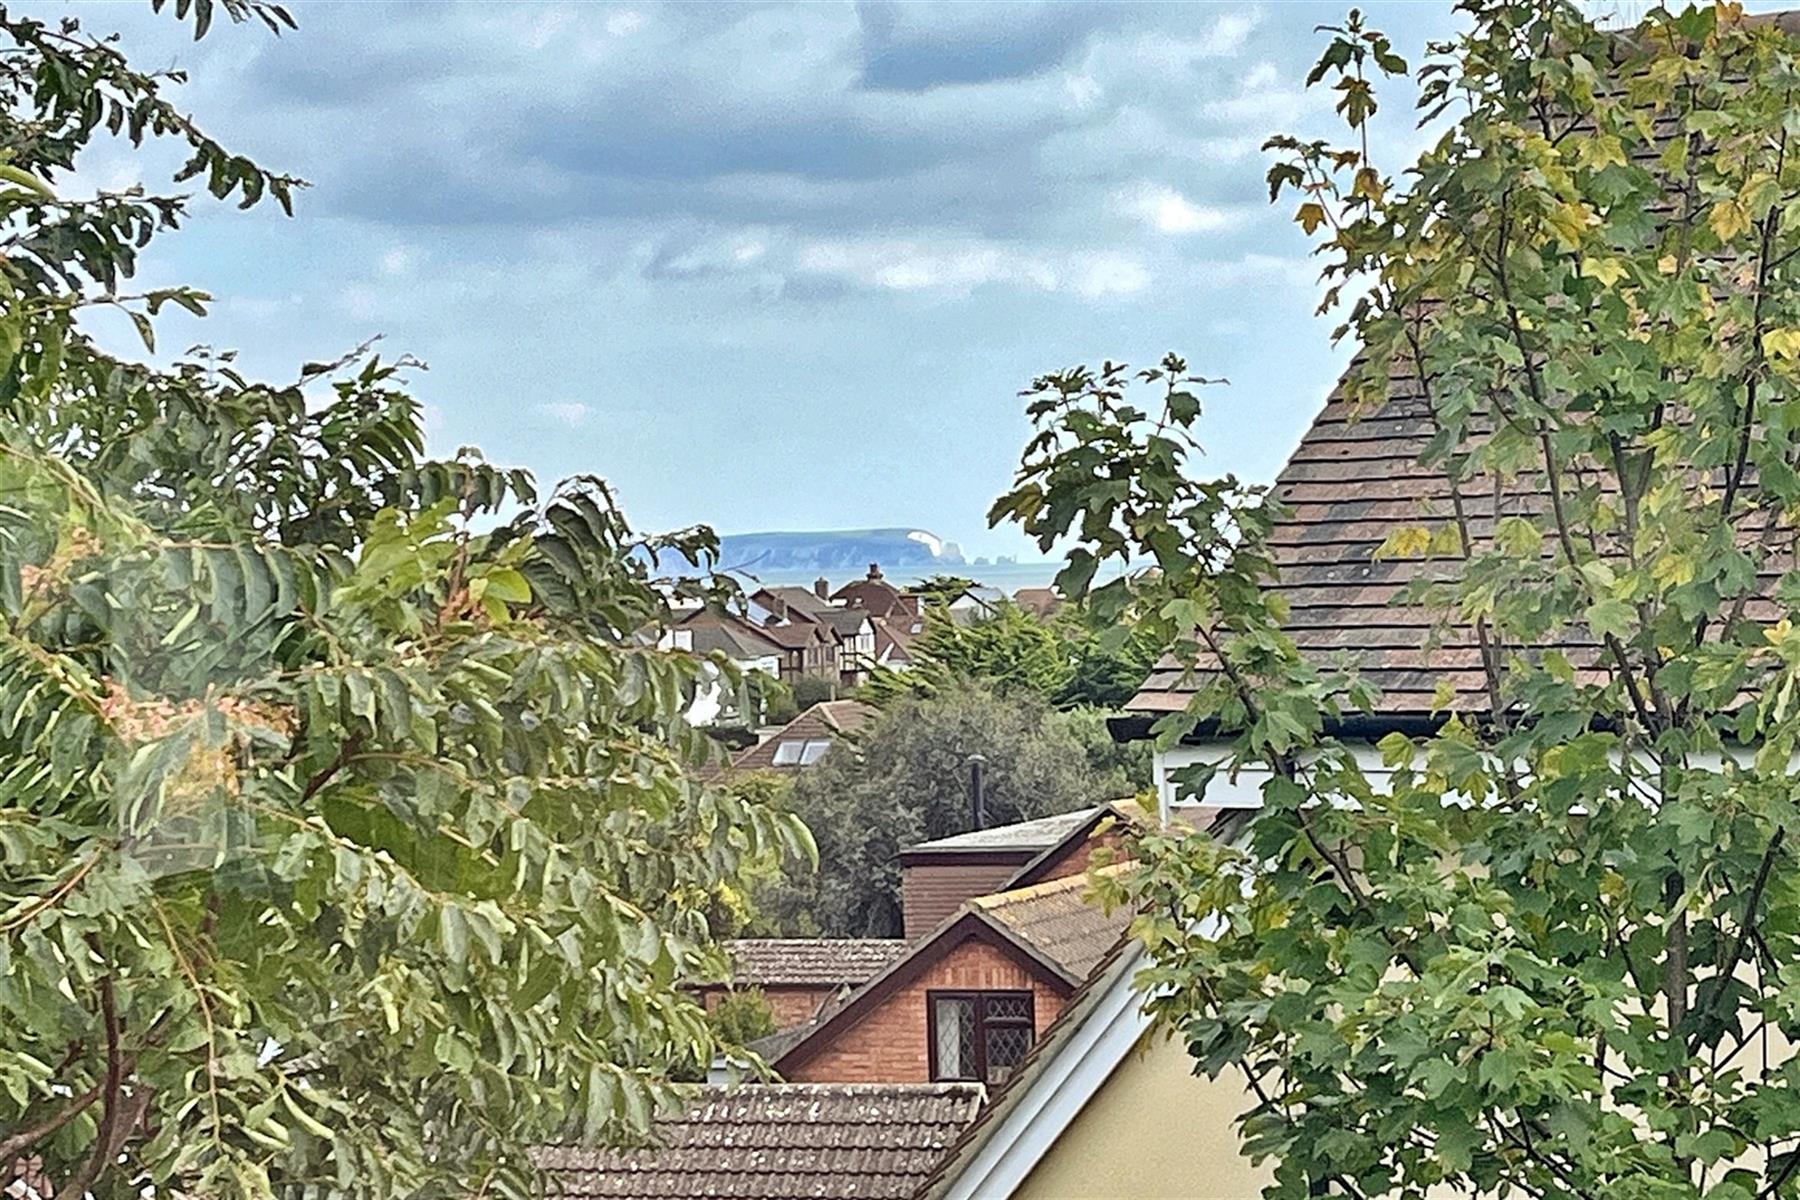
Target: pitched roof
1125	812
1061	920
1345	486
777	1142
825	721
796	599
1039	834
846	622
1039	600
794	635
822	961
1053	929
968	922
893	637
736	639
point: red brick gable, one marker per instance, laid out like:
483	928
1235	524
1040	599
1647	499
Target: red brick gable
879	1035
889	1042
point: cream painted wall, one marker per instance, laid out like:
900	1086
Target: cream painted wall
1153	1129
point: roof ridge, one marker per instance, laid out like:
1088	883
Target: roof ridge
1061	883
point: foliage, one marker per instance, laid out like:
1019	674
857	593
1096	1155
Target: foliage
1554	952
1069	659
941	589
334	782
905	780
1012	652
742	1016
808	690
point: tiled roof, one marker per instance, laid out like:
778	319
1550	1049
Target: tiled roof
794	635
1039	834
798	599
824	721
1060	920
780	1142
739	640
848	622
824	961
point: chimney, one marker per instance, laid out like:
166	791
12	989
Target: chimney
822	588
977	792
874	570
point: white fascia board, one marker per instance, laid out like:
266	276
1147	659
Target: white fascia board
1243	788
1081	1066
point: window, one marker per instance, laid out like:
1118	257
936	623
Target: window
978	1035
798	753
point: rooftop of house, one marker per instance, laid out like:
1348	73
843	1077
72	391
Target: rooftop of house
805	739
799	962
796	599
779	1141
1038	834
1061	919
847	622
736	639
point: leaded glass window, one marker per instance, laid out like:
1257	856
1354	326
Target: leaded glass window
979	1035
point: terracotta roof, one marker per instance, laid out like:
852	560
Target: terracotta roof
1039	600
823	722
824	961
1061	920
779	1142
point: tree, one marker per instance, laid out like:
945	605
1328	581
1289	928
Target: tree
335	782
743	1016
1012	652
905	780
1555	955
1069	660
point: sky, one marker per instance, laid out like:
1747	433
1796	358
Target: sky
767	266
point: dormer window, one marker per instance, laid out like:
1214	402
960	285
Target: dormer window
796	752
981	1036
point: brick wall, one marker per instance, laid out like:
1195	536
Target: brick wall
888	1044
1078	857
931	891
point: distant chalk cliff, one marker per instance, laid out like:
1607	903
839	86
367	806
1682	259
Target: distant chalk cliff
838	552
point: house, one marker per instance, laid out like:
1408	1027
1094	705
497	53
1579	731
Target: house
894	636
967	1002
855	633
876	596
1040	602
936	877
710	632
800	976
808	649
978	602
1072	1120
806	739
778	1142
